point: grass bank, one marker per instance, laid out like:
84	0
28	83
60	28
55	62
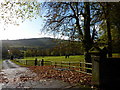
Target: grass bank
1	64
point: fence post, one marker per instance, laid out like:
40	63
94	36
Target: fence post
80	66
35	61
26	62
50	63
55	64
61	63
83	66
69	64
42	62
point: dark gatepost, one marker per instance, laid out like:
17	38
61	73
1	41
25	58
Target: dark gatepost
35	61
26	62
42	62
98	55
11	58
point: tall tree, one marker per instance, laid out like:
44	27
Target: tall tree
87	37
115	25
73	19
111	23
108	30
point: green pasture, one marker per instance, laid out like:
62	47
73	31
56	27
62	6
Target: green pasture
62	58
57	58
30	61
116	55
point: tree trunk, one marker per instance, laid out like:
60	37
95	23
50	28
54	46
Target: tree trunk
109	32
87	38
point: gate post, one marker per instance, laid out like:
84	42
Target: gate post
35	61
42	62
98	56
95	68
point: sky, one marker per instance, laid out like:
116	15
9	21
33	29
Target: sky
27	29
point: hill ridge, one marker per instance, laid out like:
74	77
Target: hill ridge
45	42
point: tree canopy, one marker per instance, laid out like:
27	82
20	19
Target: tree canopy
16	11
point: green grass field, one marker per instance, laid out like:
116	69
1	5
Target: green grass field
57	58
116	55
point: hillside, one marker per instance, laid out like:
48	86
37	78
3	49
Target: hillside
33	42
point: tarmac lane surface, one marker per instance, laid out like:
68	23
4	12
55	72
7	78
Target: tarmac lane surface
14	76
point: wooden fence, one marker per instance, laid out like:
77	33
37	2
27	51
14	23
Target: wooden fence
82	67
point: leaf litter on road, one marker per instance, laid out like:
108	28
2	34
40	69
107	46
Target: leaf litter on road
72	77
3	79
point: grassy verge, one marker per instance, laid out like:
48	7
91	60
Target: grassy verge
1	64
20	64
0	61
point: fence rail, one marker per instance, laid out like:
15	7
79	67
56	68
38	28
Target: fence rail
82	67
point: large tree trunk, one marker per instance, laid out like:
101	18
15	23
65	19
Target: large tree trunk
109	32
87	37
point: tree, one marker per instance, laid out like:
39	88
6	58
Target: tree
14	12
87	37
74	20
109	30
5	54
115	15
106	12
15	52
111	20
115	26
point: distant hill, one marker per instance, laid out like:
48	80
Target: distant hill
33	42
